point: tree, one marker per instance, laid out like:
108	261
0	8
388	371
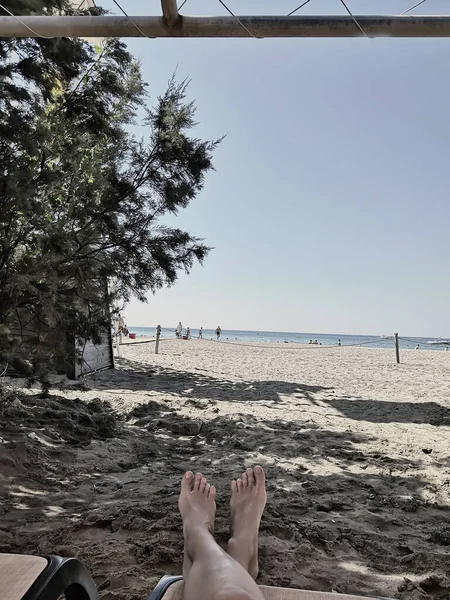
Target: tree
81	197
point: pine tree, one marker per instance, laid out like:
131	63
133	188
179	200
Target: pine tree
81	197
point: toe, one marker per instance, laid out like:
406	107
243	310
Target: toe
259	476
207	490
197	480
244	479
212	492
234	488
239	485
202	486
186	482
250	476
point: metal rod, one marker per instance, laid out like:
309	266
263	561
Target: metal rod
170	11
210	27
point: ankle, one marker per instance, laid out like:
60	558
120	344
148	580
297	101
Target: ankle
196	534
200	545
244	536
243	546
244	551
197	524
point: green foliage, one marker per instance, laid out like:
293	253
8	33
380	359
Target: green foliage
81	197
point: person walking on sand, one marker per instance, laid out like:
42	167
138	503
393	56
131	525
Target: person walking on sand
178	330
218	332
200	333
209	572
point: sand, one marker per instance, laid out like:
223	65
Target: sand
356	450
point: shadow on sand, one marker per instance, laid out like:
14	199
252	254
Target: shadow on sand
340	515
198	385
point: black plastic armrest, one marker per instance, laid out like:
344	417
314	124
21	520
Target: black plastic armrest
162	585
63	577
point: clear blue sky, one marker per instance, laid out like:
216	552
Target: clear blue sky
329	210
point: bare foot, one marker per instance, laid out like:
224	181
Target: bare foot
248	498
198	510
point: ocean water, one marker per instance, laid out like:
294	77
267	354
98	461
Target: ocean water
282	337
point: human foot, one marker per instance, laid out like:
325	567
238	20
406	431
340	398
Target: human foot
248	498
198	510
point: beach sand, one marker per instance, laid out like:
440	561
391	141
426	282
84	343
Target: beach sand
356	451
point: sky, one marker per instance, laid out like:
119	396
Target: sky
329	208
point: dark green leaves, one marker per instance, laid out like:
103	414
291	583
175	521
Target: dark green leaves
81	199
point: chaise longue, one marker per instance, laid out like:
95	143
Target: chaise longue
24	577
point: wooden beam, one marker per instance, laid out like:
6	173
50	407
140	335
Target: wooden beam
219	27
170	11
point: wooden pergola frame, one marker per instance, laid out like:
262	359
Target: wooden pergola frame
172	24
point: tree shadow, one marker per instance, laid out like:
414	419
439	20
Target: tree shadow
384	411
341	515
135	375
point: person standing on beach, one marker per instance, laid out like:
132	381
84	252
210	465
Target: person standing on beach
339	343
119	324
200	333
188	332
179	329
218	332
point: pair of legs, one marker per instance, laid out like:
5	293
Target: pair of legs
209	572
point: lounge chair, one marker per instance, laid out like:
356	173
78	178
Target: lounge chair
171	588
25	577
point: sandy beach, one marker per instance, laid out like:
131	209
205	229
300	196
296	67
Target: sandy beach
356	451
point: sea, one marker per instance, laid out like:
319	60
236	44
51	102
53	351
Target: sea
286	337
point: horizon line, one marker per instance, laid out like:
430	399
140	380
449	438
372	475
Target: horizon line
291	332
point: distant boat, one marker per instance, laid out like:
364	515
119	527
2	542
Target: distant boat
386	337
440	342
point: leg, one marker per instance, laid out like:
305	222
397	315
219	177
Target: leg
248	499
209	572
